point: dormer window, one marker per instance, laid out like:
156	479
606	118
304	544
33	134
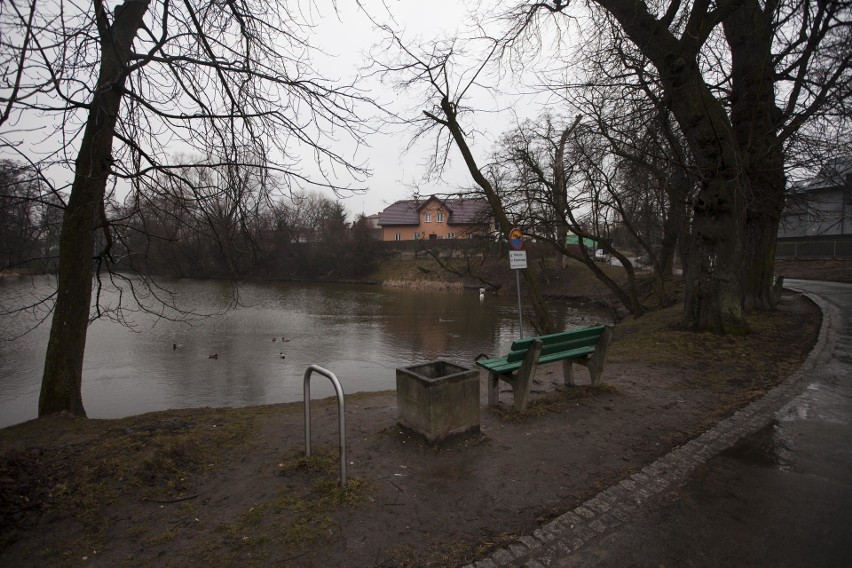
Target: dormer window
427	218
440	218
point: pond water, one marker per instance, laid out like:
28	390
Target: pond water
262	347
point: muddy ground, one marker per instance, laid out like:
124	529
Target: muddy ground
227	487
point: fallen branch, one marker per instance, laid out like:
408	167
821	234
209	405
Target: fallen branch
175	500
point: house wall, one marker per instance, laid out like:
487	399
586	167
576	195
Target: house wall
827	212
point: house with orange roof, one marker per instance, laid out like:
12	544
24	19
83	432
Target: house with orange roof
435	218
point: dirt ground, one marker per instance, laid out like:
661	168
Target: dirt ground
226	487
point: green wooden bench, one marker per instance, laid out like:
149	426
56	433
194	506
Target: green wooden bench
587	346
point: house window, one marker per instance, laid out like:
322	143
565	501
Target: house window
398	237
451	235
440	217
416	236
427	218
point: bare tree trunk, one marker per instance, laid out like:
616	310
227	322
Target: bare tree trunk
63	365
713	299
664	271
713	294
713	288
755	120
560	193
675	233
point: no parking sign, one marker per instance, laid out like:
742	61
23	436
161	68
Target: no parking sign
516	239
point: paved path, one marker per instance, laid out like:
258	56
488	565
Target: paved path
769	486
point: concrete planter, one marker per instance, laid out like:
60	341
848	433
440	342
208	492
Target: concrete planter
438	399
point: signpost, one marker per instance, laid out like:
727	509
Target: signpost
518	261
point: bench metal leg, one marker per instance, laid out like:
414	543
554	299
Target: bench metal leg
493	389
523	383
598	359
568	372
595	373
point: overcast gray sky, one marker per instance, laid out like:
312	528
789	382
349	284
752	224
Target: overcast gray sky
347	38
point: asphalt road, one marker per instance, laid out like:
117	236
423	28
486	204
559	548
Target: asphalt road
770	486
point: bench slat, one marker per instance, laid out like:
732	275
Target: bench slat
569	345
556	347
591	333
573	354
500	366
490	363
503	366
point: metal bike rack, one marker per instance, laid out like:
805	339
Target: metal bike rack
341	418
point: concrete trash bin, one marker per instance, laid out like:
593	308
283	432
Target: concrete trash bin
438	399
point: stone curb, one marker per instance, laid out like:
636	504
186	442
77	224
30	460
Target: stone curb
622	502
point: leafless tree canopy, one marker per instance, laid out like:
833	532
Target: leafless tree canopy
102	97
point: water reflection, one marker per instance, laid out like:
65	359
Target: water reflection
361	333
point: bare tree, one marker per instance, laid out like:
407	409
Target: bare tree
128	86
647	169
444	94
198	220
622	97
28	219
561	195
741	78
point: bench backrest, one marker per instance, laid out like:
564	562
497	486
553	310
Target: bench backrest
557	342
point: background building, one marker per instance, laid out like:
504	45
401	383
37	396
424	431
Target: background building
435	218
817	218
821	206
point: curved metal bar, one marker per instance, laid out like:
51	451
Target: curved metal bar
341	417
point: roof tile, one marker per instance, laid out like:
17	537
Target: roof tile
461	211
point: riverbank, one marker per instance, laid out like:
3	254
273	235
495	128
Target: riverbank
221	487
493	274
573	284
574	281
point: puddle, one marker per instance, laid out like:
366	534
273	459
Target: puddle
765	447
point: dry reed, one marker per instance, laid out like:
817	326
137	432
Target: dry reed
423	284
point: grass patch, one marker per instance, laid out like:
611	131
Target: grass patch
320	462
657	339
298	517
324	465
738	369
83	468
